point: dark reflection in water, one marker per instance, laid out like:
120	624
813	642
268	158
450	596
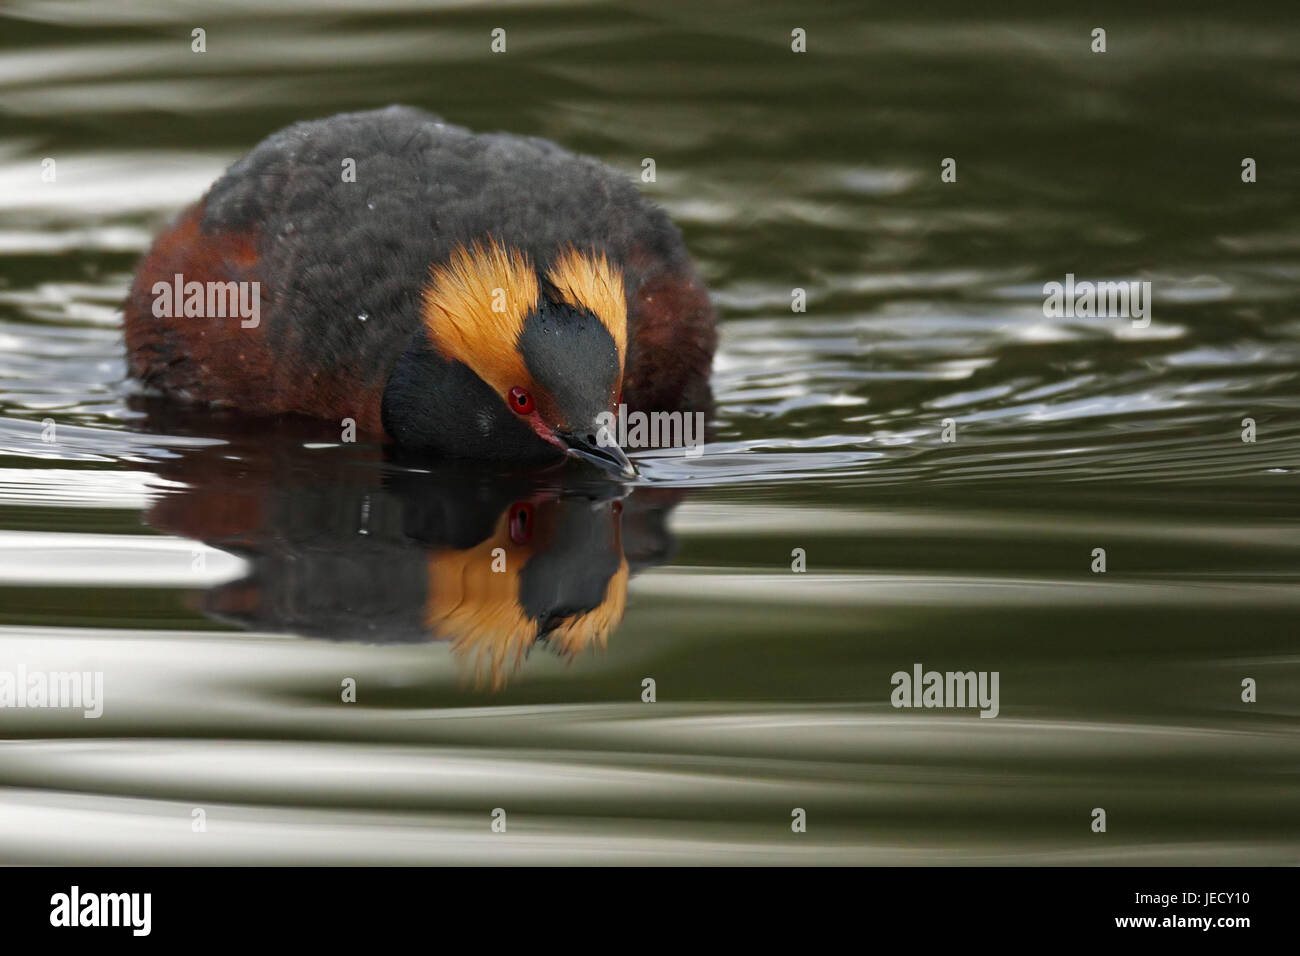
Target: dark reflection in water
352	543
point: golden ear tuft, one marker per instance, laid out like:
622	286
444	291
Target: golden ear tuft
475	305
591	283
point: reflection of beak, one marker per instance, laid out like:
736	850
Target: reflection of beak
609	457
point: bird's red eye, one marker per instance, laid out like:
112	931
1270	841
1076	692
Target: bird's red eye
520	401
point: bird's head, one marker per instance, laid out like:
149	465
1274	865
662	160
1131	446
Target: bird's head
512	362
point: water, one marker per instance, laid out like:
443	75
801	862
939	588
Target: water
228	581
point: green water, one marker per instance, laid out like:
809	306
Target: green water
228	581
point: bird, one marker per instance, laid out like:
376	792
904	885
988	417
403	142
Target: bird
463	295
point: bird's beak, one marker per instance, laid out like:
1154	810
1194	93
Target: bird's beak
609	457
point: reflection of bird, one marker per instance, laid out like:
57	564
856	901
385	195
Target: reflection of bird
341	545
552	570
483	296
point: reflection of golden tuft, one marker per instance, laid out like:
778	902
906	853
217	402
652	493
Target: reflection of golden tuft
479	608
577	633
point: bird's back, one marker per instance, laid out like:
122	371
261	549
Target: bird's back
339	221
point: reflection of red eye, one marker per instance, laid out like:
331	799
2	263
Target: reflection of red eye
521	522
520	401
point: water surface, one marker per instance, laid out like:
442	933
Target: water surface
228	580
